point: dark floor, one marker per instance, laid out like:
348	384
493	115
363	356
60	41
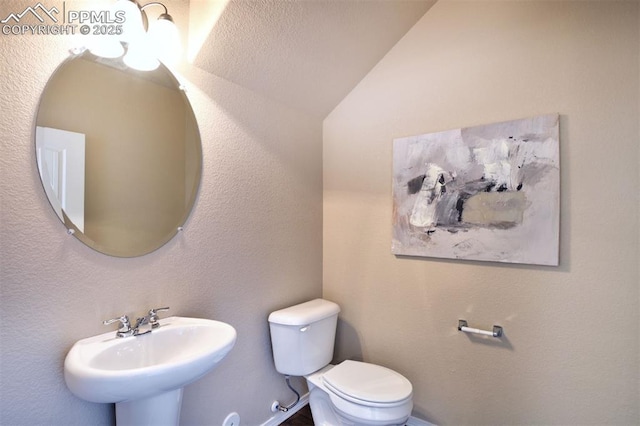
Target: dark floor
301	418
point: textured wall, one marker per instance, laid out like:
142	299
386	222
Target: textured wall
305	54
570	353
252	245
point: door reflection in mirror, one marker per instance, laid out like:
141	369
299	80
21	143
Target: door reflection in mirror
60	156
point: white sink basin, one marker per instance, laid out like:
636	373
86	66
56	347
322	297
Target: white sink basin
107	369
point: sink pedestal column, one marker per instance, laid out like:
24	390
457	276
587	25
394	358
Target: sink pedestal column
159	410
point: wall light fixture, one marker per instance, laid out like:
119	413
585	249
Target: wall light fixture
143	45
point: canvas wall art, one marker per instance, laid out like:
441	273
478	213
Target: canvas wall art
489	193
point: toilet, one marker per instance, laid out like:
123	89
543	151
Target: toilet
351	393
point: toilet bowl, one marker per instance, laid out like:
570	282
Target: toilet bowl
358	393
351	393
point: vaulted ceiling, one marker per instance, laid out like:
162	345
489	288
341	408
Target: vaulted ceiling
307	54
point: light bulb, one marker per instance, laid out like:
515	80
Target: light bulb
132	27
106	47
165	39
140	56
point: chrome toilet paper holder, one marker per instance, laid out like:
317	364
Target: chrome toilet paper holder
463	326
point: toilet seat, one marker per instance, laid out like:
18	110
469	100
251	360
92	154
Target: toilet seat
368	384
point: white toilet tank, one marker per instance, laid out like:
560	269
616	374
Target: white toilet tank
303	336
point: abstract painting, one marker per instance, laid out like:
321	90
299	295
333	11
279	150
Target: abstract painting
489	193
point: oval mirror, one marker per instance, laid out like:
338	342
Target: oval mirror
119	154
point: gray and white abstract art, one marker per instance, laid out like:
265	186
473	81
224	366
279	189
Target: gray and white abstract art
487	193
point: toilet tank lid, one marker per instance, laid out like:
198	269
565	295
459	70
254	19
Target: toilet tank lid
305	313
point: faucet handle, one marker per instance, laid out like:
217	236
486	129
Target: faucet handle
153	316
125	326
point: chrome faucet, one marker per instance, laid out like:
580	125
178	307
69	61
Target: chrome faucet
153	316
151	319
125	330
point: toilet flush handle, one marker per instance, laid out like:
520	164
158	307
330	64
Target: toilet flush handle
304	328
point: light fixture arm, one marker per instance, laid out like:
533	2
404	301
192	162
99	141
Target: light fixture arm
165	15
145	19
146	45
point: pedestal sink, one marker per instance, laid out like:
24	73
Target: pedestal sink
144	375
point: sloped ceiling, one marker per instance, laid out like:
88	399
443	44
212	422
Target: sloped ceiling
307	54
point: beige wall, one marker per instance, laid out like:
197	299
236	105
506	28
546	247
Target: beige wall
570	352
252	245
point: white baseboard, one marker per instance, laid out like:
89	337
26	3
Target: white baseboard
413	421
281	416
